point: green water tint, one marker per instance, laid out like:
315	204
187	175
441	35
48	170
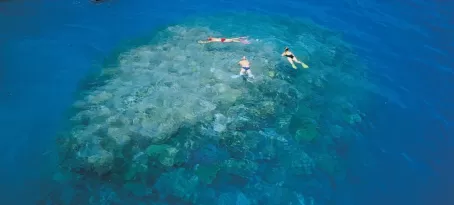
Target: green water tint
207	173
161	98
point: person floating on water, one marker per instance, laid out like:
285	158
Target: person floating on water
226	40
245	67
292	58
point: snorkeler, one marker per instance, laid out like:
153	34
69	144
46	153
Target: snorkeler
245	67
292	58
226	40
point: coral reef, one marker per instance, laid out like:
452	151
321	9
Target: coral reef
169	125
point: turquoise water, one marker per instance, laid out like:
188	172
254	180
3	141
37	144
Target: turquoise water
116	103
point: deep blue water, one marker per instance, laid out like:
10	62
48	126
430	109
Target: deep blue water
47	47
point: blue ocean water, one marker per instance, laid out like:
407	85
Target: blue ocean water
48	47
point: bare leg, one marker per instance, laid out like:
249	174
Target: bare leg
296	60
237	40
203	42
291	62
302	64
230	40
242	71
249	73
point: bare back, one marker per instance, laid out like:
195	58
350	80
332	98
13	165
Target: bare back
287	53
244	63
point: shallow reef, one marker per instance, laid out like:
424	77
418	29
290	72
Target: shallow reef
165	123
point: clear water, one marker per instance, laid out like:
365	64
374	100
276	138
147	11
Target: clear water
138	63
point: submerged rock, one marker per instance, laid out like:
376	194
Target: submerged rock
233	199
207	173
220	123
209	154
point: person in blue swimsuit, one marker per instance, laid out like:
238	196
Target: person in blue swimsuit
245	67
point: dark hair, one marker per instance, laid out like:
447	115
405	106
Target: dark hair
286	48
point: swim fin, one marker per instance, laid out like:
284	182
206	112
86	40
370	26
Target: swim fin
304	65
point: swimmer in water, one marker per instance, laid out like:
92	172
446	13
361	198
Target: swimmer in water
225	40
292	58
245	67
